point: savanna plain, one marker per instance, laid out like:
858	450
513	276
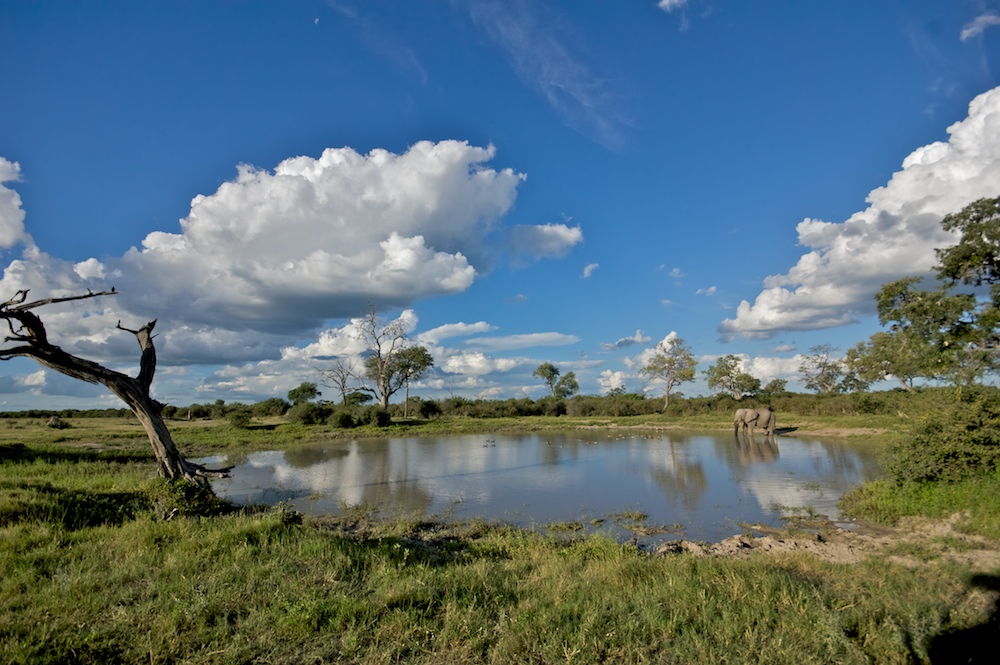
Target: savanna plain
103	562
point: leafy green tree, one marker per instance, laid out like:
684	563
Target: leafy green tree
942	333
975	259
218	410
567	385
409	365
957	330
727	375
821	372
548	373
305	392
774	387
900	355
561	387
673	363
357	398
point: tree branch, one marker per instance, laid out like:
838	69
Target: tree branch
27	328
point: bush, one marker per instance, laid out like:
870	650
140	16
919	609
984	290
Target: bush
375	415
170	497
240	419
273	406
429	409
552	406
456	406
951	443
55	422
308	413
883	403
343	420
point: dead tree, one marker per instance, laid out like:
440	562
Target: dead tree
28	333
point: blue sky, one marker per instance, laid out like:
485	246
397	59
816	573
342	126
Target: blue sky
521	181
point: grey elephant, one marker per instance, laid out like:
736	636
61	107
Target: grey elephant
750	418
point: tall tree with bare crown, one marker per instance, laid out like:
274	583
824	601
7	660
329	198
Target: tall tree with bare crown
28	338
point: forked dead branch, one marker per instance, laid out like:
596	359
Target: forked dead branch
29	338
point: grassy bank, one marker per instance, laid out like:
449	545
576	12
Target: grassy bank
102	562
90	571
884	502
206	436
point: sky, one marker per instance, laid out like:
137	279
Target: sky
518	181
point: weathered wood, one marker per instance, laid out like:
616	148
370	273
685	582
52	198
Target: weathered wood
27	329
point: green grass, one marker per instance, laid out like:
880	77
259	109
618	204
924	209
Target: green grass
885	502
91	570
202	437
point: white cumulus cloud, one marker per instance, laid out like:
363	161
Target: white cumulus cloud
610	380
636	363
11	213
278	253
544	241
477	364
833	283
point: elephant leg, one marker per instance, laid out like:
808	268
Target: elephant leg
738	421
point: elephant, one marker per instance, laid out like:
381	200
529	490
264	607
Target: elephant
749	418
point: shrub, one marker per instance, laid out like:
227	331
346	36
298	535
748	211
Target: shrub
55	422
429	409
273	406
948	444
582	406
308	413
552	406
871	404
456	406
170	497
240	419
343	420
375	415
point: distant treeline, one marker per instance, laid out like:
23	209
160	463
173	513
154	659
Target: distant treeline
68	413
614	405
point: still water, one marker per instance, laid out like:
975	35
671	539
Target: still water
701	486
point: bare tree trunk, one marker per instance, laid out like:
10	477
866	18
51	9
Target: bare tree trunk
26	328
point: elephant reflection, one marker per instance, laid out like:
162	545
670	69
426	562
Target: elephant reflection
751	451
750	418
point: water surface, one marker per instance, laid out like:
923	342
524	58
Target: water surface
702	486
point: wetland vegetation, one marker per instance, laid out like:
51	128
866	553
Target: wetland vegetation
101	561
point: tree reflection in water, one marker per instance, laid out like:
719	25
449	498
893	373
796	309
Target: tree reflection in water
708	483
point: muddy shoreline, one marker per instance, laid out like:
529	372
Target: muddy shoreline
913	542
